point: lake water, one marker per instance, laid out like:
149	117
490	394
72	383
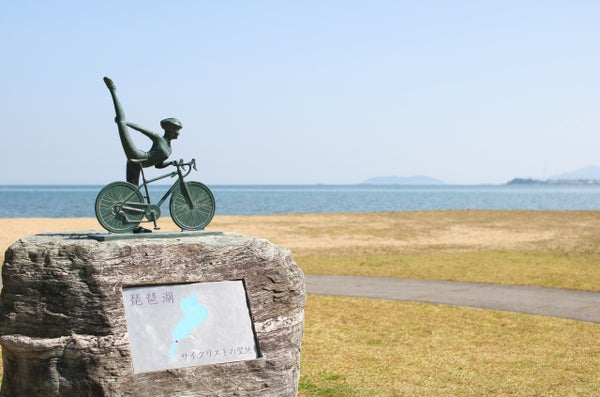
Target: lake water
78	201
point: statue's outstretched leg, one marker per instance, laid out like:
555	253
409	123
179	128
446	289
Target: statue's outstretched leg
131	151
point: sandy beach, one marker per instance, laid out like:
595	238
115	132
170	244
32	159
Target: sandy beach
12	229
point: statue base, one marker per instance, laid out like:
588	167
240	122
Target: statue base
198	314
133	236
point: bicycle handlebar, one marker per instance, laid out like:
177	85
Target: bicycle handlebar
181	165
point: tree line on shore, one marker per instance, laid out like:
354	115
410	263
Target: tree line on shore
531	181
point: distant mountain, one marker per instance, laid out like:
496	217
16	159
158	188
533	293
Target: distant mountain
584	173
400	180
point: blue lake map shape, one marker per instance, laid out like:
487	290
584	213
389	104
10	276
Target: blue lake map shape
195	314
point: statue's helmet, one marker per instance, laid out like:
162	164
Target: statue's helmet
170	123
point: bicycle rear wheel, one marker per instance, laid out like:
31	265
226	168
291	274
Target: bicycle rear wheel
120	207
196	213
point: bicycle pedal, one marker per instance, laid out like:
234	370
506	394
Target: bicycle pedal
157	228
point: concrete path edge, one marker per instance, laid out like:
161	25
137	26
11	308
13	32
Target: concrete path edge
555	302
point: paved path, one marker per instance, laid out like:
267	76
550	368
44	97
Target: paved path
571	304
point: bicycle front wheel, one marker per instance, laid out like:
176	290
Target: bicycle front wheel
194	212
120	207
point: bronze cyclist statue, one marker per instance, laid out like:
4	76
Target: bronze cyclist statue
121	206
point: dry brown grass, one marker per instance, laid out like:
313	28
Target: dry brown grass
399	232
543	248
418	232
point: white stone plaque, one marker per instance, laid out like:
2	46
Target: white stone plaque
184	325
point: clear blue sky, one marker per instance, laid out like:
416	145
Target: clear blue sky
282	92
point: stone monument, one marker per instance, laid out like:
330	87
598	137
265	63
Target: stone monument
140	313
201	314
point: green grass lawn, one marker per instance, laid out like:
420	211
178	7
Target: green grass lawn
368	347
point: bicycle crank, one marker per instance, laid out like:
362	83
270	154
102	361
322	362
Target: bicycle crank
152	214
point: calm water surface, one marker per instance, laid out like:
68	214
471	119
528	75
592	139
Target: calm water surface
78	201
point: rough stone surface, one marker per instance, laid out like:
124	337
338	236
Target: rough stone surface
62	319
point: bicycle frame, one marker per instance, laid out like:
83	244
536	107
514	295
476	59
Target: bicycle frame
135	207
147	182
